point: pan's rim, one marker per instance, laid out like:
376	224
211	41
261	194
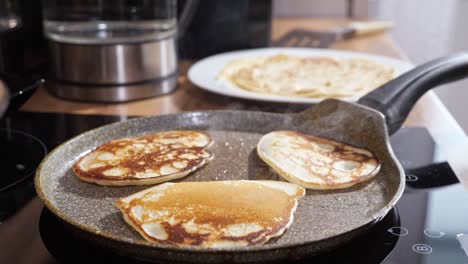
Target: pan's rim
265	248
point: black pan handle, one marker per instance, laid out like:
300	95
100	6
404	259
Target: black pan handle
396	98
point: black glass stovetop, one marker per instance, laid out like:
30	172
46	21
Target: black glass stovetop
427	225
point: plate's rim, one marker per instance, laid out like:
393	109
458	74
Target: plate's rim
187	249
249	95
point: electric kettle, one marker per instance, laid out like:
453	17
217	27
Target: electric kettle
112	50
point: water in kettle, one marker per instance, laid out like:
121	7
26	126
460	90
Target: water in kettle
109	21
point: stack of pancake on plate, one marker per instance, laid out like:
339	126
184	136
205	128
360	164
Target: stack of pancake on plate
317	77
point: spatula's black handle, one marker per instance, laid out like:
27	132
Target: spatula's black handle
396	98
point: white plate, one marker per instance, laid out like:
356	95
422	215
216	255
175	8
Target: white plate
204	73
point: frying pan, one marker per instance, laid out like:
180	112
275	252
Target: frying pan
323	220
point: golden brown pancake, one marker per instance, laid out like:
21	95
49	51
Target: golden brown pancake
146	159
315	162
212	214
318	77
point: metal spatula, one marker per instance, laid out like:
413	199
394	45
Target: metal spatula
316	39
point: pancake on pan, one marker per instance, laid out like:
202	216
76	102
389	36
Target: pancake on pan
314	162
148	159
318	77
219	214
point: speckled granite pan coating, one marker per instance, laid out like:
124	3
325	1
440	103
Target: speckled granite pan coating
323	218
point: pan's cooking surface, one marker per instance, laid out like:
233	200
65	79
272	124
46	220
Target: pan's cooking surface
320	214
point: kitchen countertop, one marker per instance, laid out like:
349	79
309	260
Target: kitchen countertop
429	112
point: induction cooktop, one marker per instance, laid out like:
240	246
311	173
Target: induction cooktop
429	224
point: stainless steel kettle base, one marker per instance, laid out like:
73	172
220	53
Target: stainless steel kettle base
110	93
